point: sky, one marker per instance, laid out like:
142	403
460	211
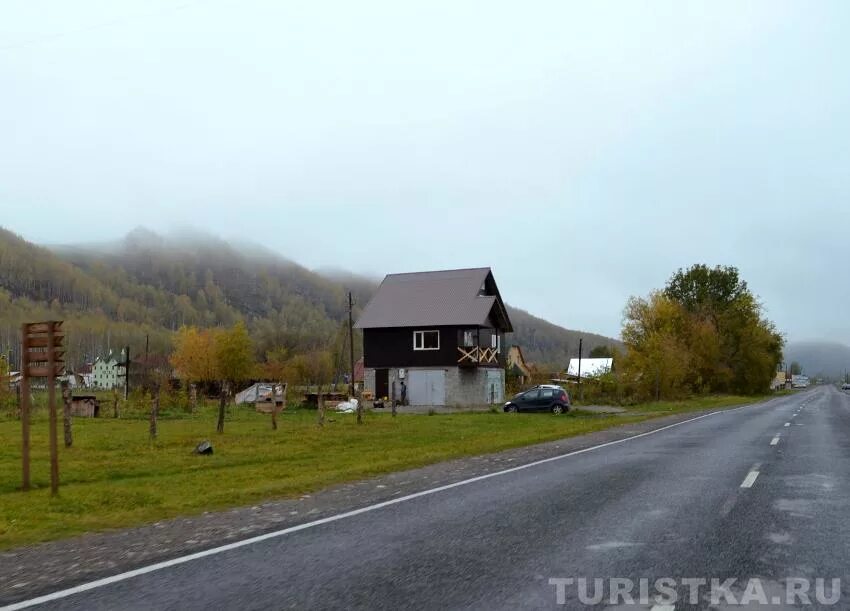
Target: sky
583	150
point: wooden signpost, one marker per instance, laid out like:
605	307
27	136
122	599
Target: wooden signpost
42	357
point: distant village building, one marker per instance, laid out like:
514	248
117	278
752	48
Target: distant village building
435	338
516	364
107	372
86	375
590	368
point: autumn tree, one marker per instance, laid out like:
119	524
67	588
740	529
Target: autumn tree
234	359
194	358
705	332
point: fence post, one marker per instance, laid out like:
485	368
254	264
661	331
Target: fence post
66	414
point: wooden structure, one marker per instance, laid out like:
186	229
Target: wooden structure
85	406
42	357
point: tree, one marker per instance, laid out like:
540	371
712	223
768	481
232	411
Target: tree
601	352
234	359
705	332
194	357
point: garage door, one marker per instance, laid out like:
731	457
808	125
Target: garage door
427	387
495	386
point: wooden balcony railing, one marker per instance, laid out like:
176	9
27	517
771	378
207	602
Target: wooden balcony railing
472	356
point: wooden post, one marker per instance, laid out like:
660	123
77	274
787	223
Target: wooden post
394	401
154	410
66	414
25	411
114	403
321	408
222	403
51	399
193	396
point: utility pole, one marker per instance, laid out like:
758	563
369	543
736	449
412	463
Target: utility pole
127	373
580	389
351	356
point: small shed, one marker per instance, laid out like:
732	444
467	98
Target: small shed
263	396
85	406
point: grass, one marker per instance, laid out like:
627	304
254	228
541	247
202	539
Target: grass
113	476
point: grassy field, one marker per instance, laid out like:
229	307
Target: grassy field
114	477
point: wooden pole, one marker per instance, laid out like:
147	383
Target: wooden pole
127	373
154	411
351	359
222	403
51	400
66	414
320	404
25	411
580	389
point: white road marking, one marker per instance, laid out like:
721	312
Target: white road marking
751	478
663	608
99	583
787	424
774	441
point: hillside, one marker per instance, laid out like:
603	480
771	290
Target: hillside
819	358
146	286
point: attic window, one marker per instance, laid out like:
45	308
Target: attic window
426	340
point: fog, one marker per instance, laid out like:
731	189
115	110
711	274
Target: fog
585	151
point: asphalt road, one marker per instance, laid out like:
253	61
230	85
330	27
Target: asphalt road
715	498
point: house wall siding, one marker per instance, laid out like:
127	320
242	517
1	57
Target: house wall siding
393	347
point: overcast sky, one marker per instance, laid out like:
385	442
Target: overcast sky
584	150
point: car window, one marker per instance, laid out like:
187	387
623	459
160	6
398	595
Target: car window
531	395
547	393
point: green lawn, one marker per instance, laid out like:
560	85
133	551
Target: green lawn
113	477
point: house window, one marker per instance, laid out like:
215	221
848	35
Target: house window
469	338
426	340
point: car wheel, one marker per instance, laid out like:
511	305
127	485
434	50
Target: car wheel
557	409
511	409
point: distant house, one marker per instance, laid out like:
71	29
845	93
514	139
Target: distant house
436	338
86	375
590	368
516	364
107	372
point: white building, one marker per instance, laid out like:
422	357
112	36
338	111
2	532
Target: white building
590	368
107	373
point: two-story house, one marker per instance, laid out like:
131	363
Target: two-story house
436	338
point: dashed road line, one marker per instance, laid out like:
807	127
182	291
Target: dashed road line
752	476
774	441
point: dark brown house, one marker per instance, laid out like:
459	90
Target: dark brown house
436	338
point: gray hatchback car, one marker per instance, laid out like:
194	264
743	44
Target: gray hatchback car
543	398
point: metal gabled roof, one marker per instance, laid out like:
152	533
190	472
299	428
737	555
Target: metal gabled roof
438	298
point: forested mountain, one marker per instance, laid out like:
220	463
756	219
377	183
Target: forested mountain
146	286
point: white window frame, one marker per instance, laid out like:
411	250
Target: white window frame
420	335
496	343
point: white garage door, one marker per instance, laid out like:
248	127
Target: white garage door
427	387
495	386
